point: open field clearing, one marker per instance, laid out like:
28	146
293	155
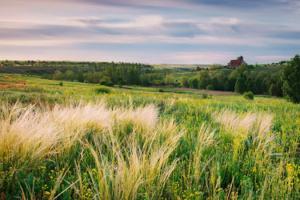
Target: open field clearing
8	82
67	140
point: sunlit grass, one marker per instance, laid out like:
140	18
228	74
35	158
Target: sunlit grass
68	142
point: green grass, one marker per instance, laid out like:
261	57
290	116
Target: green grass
139	143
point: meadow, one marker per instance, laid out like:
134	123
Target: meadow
69	140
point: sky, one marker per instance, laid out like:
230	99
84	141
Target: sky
150	31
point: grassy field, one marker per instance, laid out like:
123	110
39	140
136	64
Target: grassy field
68	140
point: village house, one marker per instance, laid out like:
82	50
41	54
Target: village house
233	64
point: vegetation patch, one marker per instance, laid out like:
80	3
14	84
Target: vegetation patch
103	90
248	95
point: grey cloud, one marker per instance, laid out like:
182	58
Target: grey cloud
286	34
243	4
98	21
51	31
268	31
182	29
39	30
169	28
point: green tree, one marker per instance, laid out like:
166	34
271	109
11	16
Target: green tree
241	85
194	83
291	80
80	77
185	82
169	80
69	75
204	79
275	89
233	76
57	75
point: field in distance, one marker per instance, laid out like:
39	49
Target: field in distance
187	66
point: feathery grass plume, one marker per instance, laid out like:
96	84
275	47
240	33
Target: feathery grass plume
204	139
256	125
130	147
252	138
128	169
35	133
83	115
237	123
26	134
145	117
263	130
29	134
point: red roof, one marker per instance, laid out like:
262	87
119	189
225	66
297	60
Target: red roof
236	63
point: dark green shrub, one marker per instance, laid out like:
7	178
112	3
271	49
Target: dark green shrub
249	95
61	83
204	96
210	87
103	90
160	90
106	81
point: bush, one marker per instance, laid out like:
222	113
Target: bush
210	87
160	90
249	95
61	83
103	90
106	81
204	96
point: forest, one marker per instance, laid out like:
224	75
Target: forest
259	79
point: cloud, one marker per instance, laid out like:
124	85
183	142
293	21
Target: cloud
235	3
286	34
199	57
41	31
271	58
150	30
188	4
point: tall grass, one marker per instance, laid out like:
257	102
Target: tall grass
133	149
129	148
252	126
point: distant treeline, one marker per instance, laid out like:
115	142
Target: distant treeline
258	79
106	73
